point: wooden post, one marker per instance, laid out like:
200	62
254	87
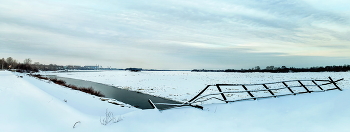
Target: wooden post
317	85
289	88
335	84
269	90
251	95
307	90
222	94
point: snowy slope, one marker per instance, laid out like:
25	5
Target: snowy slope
29	104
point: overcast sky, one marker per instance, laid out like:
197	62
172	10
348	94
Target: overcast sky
177	34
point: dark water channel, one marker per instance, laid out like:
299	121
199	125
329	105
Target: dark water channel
136	99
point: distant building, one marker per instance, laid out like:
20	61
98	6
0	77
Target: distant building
91	67
73	67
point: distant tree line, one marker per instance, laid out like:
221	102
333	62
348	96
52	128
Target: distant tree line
27	65
283	69
10	63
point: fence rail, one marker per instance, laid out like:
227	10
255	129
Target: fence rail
240	92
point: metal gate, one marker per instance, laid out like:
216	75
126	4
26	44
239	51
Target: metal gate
239	92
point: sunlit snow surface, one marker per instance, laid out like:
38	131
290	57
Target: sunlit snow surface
29	104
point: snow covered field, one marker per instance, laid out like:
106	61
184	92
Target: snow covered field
183	85
29	104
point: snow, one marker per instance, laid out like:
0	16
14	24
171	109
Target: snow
29	104
183	85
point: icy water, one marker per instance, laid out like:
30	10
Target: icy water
136	99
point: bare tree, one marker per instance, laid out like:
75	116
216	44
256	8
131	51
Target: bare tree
257	68
27	61
11	62
270	67
2	63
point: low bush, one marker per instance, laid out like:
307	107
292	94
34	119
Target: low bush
59	82
89	90
38	76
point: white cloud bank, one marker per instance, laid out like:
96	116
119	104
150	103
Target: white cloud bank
177	34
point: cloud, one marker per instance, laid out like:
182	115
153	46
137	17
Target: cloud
162	34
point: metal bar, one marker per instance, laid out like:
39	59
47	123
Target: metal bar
251	95
269	83
152	104
258	97
289	88
269	90
307	90
335	84
199	93
331	89
339	80
321	80
222	94
317	85
197	106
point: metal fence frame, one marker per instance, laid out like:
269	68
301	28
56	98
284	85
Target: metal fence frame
196	99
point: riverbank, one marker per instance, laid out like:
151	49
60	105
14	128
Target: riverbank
29	104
